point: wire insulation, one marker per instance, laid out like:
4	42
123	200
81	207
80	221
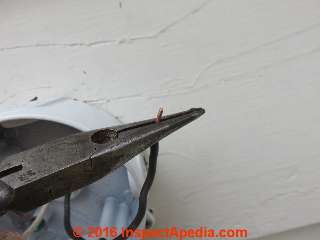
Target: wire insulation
27	233
154	150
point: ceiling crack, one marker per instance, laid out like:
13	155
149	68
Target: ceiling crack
129	39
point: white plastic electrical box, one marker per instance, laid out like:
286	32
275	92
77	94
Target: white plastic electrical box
111	201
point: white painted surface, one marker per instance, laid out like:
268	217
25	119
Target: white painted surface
311	232
253	159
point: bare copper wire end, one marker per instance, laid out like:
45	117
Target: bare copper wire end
159	115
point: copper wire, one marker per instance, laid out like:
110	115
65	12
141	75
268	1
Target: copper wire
159	115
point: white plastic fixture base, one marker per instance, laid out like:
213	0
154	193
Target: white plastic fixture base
38	122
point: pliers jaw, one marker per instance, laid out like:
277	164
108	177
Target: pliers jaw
54	169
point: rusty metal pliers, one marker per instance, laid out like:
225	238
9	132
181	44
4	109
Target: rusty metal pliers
34	177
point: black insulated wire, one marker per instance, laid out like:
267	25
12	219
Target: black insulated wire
154	150
67	223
